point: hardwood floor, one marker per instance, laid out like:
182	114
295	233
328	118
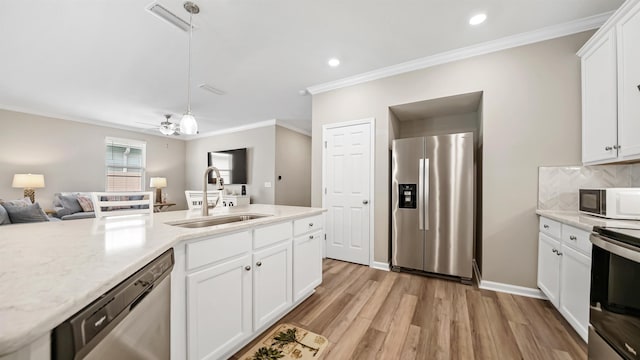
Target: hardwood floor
369	314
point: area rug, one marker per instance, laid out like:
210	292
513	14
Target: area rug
287	342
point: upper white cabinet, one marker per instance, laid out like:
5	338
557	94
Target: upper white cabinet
610	89
628	30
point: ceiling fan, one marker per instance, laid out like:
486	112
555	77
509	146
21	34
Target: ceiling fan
166	127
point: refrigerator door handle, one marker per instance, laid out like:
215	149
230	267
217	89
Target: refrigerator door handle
426	193
419	195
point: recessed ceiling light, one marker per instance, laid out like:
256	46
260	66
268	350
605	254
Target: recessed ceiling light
478	19
333	62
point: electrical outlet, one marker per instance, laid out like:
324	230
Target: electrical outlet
267	184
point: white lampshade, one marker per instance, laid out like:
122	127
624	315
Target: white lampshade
158	182
28	181
188	124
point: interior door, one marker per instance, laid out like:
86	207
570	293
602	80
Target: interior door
346	191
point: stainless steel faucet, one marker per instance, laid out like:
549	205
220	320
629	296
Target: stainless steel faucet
220	186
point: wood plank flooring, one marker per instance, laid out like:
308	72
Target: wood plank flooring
372	314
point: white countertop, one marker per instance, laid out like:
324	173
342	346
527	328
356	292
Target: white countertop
586	222
49	271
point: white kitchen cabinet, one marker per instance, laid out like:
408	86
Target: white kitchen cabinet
549	268
628	33
307	260
219	308
575	280
272	283
599	101
610	89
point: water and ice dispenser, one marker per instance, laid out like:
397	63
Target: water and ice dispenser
408	195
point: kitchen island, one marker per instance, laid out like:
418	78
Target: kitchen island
49	271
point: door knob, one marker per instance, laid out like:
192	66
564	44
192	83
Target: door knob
365	202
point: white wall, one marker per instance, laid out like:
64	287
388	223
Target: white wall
530	116
260	144
293	165
71	155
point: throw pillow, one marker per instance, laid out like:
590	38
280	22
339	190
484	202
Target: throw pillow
4	216
21	202
26	214
70	202
85	203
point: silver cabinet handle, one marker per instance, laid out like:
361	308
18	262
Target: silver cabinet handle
559	253
545	226
247	267
573	237
259	263
554	251
617	147
311	237
365	202
608	148
310	224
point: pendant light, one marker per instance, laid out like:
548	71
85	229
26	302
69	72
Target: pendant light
188	124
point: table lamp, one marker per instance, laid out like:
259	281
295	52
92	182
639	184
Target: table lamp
28	182
158	183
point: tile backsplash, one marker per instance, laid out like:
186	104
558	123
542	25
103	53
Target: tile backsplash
558	185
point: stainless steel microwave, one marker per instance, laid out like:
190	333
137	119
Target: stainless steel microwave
611	203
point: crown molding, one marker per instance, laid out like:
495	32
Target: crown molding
292	128
526	38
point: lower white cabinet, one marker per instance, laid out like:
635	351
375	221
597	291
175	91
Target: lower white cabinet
575	277
564	271
272	278
307	260
226	289
218	308
549	268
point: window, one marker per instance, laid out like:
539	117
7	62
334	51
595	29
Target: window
125	161
224	163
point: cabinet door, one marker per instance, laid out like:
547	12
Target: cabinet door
307	260
549	268
599	101
575	280
272	280
219	308
629	84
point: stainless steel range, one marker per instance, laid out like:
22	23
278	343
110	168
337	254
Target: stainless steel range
614	317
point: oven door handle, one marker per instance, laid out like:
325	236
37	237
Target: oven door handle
616	247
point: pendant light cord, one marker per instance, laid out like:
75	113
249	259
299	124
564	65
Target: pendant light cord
189	72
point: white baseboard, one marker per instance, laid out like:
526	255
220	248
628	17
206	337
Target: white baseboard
512	289
380	265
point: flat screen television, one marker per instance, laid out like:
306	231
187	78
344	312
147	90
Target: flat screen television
232	165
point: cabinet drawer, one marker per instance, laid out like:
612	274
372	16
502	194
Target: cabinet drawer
301	226
576	238
550	227
271	234
212	250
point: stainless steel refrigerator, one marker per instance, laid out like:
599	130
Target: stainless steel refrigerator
433	204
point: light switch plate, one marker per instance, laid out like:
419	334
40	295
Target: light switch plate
267	184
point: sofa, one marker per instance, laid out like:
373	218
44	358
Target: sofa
22	211
73	205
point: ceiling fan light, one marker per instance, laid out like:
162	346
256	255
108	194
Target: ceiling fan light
188	124
166	130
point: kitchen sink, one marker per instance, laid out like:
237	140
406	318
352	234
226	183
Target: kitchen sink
218	220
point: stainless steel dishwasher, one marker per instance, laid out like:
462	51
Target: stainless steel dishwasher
130	321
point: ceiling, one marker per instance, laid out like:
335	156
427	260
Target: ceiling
112	62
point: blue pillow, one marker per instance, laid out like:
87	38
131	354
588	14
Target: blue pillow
4	216
26	214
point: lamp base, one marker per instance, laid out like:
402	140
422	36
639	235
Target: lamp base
158	196
31	194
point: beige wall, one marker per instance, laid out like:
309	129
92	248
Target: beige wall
293	165
441	125
530	115
260	144
71	156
